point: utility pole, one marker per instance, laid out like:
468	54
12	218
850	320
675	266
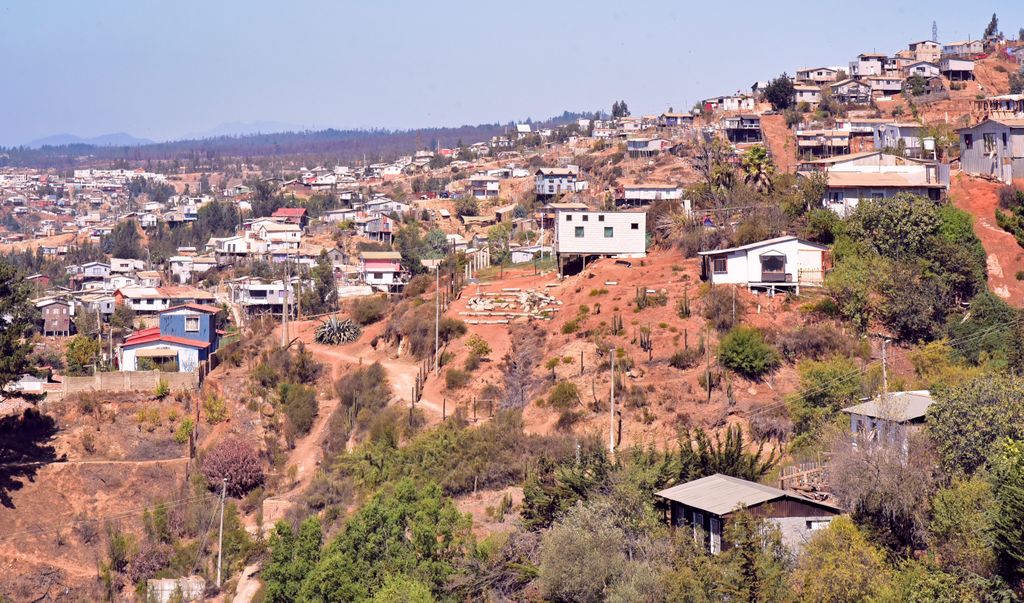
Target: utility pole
284	304
437	319
611	409
220	537
885	371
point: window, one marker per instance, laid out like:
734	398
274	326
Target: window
609	232
579	232
969	141
586	218
698	528
568	217
1004	140
191	324
716	536
817	524
634	226
601	218
718	265
378	275
990	142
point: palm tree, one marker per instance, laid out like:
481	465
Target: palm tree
758	168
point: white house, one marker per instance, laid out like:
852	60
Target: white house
381	269
782	262
645	193
891	416
582	233
556	181
816	75
484	186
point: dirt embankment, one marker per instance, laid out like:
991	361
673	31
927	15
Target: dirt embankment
781	142
1005	257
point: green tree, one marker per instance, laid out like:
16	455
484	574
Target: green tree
825	387
758	168
1008	475
82	353
498	239
839	565
780	92
754	565
966	419
124	241
916	85
744	350
323	297
896	227
123	318
404	529
580	556
17	315
960	531
399	588
992	28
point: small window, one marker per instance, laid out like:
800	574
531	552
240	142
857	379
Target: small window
568	217
609	232
990	142
718	265
601	218
1004	140
579	232
969	141
378	275
191	324
634	226
586	218
817	524
698	528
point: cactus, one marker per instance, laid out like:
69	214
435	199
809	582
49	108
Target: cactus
641	298
646	344
616	324
335	331
683	305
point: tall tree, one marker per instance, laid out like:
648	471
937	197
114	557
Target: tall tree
758	168
992	28
1008	472
16	315
780	92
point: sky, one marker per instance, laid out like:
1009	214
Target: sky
168	69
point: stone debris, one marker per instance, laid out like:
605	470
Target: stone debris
512	303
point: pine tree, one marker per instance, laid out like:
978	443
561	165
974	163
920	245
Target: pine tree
17	313
992	28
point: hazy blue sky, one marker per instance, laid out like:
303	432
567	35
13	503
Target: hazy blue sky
164	69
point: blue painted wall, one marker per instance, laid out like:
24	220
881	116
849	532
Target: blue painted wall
173	323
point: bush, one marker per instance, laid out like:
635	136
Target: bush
162	390
417	285
570	326
478	346
455	379
815	341
368	310
564	396
214	408
467	206
718	307
361	394
686	358
235	460
299	404
184	430
744	350
413	321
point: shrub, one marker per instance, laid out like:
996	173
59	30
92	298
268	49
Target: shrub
598	292
472	363
368	310
147	562
570	326
564	396
718	307
235	460
686	358
455	379
478	346
299	404
744	350
417	285
413	321
162	389
214	408
815	341
184	430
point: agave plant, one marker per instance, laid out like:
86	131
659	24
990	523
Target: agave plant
336	331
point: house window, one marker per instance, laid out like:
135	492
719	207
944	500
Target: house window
990	142
586	218
698	528
634	226
378	275
568	217
579	232
600	218
609	232
191	324
718	265
817	524
1004	140
716	536
969	141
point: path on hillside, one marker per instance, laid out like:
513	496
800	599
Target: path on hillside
781	142
1005	258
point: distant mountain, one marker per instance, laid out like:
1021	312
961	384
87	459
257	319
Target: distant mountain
118	139
239	128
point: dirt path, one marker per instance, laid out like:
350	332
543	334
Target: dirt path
1004	256
781	142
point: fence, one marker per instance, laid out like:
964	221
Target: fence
128	381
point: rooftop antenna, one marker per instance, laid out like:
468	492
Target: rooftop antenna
935	31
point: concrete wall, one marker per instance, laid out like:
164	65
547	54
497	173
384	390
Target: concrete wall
127	381
795	531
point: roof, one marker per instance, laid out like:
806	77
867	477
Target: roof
721	494
764	243
876	179
899	406
180	292
556	171
380	255
658	185
289	212
133	341
841	158
196	307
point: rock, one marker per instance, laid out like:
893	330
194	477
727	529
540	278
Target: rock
267	409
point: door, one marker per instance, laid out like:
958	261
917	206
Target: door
698	528
716	536
773	268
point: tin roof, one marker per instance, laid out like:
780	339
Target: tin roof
721	494
898	406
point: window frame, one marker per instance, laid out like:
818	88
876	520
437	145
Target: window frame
192	320
715	265
609	232
579	233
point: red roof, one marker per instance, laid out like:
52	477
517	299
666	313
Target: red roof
289	212
143	333
158	338
196	307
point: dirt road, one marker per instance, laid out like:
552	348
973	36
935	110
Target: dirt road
1004	256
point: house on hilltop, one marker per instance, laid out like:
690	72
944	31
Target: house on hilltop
184	339
994	148
780	263
706	505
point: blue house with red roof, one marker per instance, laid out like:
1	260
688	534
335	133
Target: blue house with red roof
185	339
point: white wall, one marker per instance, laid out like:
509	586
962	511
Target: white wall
626	240
744	266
